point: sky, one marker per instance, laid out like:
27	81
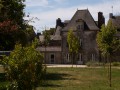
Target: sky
45	12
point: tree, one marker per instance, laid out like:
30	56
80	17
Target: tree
12	26
46	41
30	33
51	31
24	67
12	10
73	43
108	43
10	34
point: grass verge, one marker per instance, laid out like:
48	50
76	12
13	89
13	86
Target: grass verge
80	79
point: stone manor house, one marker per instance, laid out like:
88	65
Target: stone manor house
83	26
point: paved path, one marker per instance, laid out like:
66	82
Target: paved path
65	65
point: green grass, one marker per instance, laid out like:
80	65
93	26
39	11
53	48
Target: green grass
80	79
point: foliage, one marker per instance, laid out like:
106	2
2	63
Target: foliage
73	44
3	85
12	10
10	34
108	43
46	38
51	31
13	28
8	26
116	63
24	67
12	25
30	33
94	63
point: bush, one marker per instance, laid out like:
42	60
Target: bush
3	87
2	77
93	63
116	63
24	68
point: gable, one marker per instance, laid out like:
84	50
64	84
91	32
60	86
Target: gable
83	15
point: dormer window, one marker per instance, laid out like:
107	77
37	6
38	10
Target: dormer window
80	27
80	24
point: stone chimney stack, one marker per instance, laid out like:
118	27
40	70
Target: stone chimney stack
111	15
101	19
59	23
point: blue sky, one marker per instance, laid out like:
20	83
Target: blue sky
47	11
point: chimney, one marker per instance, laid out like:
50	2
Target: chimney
101	19
59	23
111	15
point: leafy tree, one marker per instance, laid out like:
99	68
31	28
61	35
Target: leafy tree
73	43
12	10
13	28
24	67
46	41
12	25
51	31
10	34
108	43
30	33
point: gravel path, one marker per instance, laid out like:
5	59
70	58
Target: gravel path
64	65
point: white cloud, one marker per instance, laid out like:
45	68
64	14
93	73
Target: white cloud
42	3
48	18
60	1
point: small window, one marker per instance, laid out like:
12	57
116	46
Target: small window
80	27
68	57
80	57
52	58
93	57
67	44
80	42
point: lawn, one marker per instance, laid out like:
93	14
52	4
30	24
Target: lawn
80	79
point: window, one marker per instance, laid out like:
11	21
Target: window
80	42
93	57
66	44
80	57
68	58
80	27
52	58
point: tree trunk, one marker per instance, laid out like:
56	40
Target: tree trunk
72	60
110	71
45	55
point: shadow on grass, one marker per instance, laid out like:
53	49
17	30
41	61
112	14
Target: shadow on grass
50	85
58	76
53	77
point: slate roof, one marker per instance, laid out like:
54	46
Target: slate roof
57	35
116	21
85	16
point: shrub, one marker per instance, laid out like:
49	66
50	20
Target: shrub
116	63
93	63
24	68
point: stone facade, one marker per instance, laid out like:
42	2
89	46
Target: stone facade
83	26
116	22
